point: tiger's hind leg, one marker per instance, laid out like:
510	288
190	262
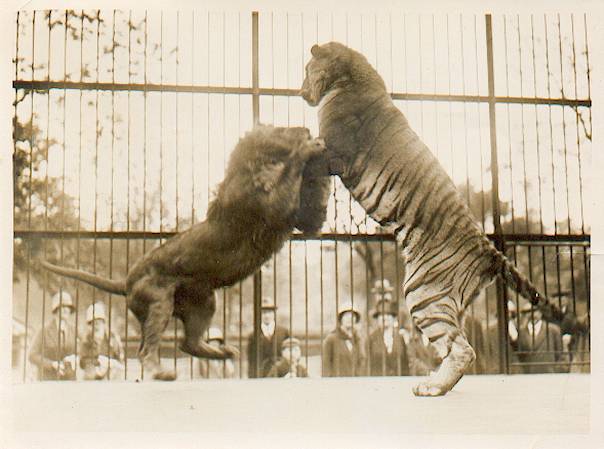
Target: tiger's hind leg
437	316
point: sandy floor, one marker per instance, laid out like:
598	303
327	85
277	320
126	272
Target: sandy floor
536	404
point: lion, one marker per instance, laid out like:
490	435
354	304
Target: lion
266	193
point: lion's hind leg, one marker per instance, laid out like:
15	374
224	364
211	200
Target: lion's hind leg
196	315
153	305
438	319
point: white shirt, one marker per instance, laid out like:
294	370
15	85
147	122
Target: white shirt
389	340
268	329
534	328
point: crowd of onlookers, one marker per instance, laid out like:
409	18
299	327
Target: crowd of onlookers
394	346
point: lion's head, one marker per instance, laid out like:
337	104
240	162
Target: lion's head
266	167
332	66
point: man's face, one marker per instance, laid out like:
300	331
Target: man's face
347	322
385	321
292	353
97	328
64	315
268	316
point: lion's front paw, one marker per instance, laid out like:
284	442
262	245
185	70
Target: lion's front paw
230	351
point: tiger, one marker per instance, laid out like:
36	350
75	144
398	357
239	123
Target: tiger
393	175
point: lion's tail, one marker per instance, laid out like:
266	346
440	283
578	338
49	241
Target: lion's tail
108	285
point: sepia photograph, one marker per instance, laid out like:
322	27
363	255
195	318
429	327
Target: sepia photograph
356	227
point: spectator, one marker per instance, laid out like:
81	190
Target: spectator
421	355
343	353
539	343
290	363
54	347
474	333
216	369
574	331
269	342
102	354
492	354
387	348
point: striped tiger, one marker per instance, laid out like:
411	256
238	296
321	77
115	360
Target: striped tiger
399	183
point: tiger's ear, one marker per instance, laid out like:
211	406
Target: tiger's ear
316	51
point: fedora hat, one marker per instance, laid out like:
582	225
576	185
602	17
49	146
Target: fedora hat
215	334
61	299
96	311
561	294
382	286
384	306
348	307
290	343
268	304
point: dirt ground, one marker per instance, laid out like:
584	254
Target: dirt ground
520	404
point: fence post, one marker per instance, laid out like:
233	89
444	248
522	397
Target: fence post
257	279
501	304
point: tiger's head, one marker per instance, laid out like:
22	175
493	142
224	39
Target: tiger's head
333	66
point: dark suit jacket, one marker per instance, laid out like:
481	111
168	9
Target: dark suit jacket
382	363
338	360
269	350
44	353
545	348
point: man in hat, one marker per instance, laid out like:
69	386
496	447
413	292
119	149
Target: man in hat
216	369
290	363
539	343
574	332
387	349
343	352
54	347
102	353
263	353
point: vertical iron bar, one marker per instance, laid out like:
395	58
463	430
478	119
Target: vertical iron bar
27	244
192	145
112	198
78	247
257	278
482	189
578	140
586	264
128	193
499	241
176	151
142	369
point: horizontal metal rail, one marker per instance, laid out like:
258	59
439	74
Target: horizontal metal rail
181	88
510	239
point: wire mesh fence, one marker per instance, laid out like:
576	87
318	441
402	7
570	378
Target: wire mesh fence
124	122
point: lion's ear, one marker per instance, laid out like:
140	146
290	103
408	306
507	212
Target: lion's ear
315	51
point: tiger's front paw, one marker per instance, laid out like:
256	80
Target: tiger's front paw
428	388
317	145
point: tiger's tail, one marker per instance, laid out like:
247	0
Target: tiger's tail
108	285
525	287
